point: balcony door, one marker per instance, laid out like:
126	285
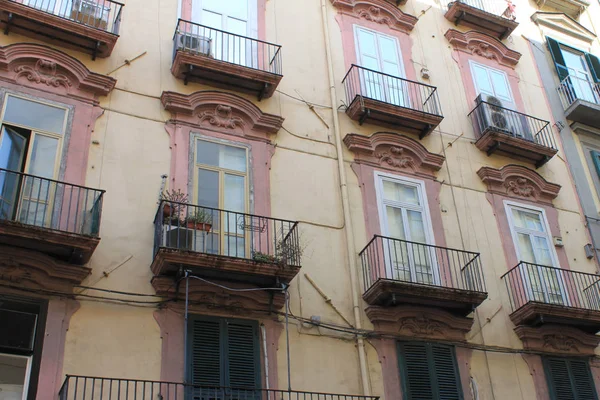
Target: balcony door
405	220
56	7
380	55
30	142
233	22
580	77
533	243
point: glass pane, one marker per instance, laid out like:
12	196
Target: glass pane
12	154
13	371
395	222
208	188
207	153
211	19
501	88
527	220
235	246
402	193
235	203
525	248
218	155
542	251
416	226
43	156
482	80
35	115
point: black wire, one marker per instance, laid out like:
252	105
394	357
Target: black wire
117	291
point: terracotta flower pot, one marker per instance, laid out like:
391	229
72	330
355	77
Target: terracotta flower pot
199	226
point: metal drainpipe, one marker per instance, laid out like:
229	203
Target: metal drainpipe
362	358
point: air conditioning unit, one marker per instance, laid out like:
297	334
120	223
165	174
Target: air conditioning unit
91	13
493	116
201	45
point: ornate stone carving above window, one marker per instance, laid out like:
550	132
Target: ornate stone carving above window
423	322
520	182
483	45
221	111
394	151
47	69
557	339
379	11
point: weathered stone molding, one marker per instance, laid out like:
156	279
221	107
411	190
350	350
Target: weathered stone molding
394	151
519	182
220	111
205	297
559	22
52	70
481	44
422	322
378	11
557	339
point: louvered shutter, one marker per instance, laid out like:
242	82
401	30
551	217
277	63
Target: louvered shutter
242	355
429	372
594	64
205	354
569	379
559	61
596	159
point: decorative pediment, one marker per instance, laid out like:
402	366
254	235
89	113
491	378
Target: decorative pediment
557	339
559	22
29	269
51	70
422	322
520	182
379	11
220	111
207	297
394	151
483	45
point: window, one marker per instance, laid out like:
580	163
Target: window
533	243
428	372
221	175
31	139
233	16
380	53
492	82
578	72
569	379
403	215
223	353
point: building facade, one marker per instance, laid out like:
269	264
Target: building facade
326	199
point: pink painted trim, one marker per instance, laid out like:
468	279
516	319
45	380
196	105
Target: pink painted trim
536	369
347	22
51	376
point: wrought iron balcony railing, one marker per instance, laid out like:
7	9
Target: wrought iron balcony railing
209	230
100	14
529	282
574	88
47	203
488	117
227	47
421	264
500	8
93	388
367	83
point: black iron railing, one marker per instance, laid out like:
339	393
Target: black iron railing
100	14
487	117
228	47
500	8
46	203
529	282
209	230
574	88
422	264
361	83
93	388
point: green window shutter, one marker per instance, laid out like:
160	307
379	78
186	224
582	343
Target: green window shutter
428	372
559	61
206	352
594	64
596	158
569	379
243	355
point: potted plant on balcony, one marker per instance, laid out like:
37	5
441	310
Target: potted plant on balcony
172	207
200	220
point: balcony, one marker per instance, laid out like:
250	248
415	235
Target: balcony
90	26
512	134
581	100
226	245
398	271
56	218
222	59
94	388
546	295
390	101
494	17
